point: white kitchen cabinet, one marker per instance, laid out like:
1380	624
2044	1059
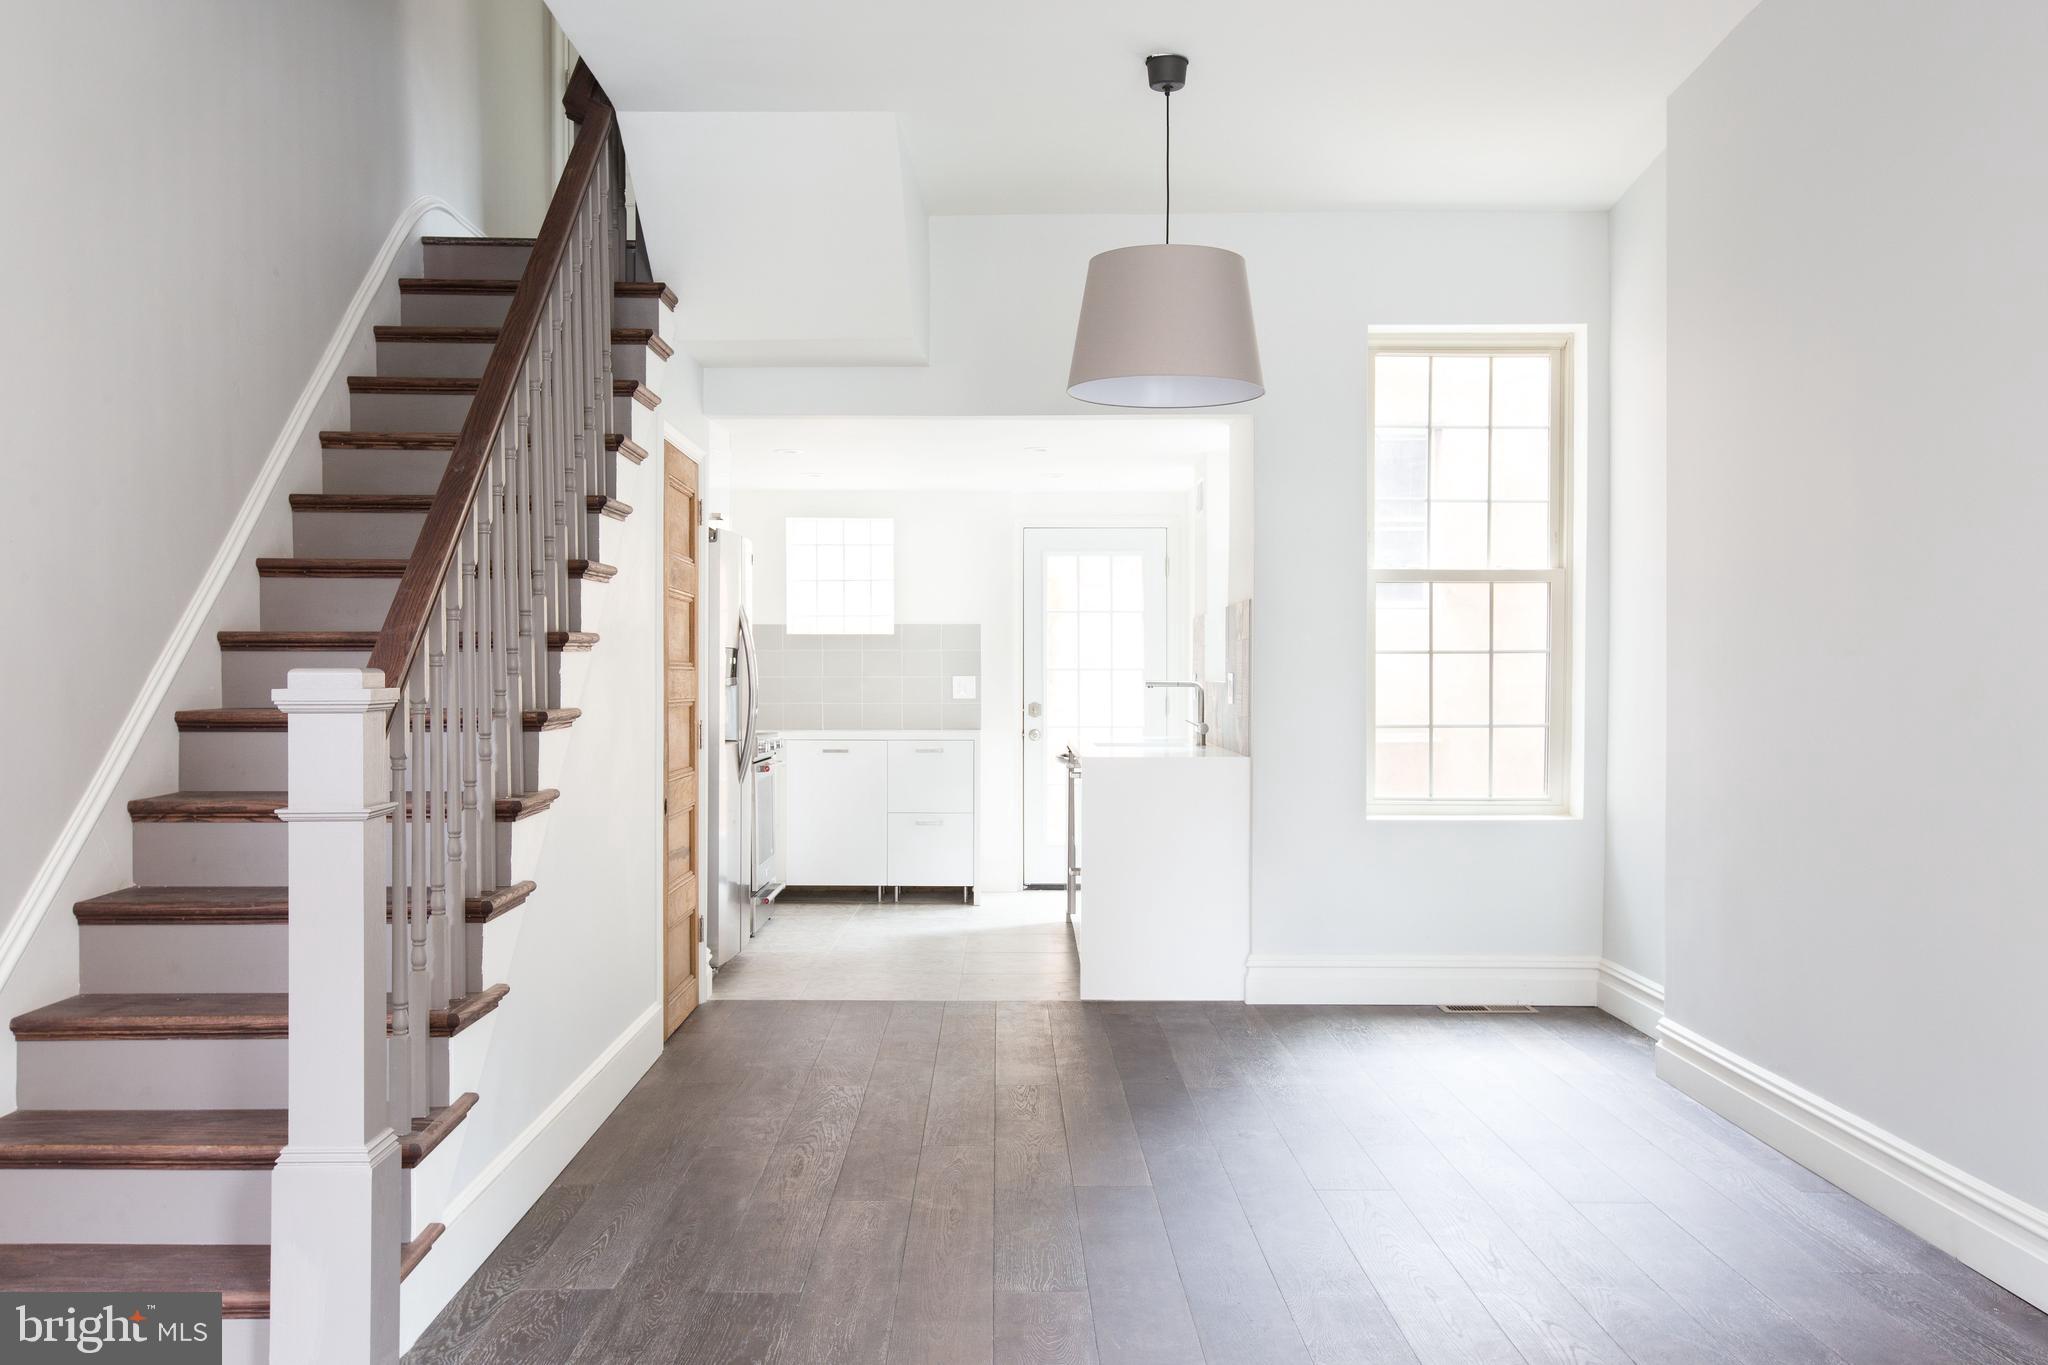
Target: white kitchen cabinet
929	776
837	816
931	850
885	810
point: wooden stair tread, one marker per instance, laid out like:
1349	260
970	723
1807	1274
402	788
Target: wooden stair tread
445	440
210	1014
431	1131
360	639
250	905
185	905
424	502
183	1139
488	336
443	284
298	567
412	1253
239	1274
262	718
245	807
180	1139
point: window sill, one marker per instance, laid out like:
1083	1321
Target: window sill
1470	814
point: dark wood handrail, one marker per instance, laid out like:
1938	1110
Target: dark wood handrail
405	624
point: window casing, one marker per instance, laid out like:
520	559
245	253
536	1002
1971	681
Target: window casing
840	575
1470	593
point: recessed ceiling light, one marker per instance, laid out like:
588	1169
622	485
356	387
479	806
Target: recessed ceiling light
782	450
813	474
1034	450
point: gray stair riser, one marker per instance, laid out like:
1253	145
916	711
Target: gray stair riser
204	957
454	310
206	853
152	1073
129	1206
407	411
257	760
325	603
637	312
416	471
466	360
231	760
488	310
358	603
355	535
473	261
623	410
250	676
380	535
253	853
181	957
382	471
245	1341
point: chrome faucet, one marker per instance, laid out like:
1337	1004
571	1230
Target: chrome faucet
1201	720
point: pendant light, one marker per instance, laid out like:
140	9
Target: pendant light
1166	325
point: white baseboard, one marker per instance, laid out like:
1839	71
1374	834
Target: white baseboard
1631	997
480	1215
43	889
1987	1229
1455	979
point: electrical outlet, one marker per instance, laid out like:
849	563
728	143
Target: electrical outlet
963	687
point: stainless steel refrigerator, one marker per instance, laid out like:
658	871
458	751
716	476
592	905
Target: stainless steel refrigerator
734	725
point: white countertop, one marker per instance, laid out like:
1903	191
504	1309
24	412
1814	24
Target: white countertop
1093	750
876	734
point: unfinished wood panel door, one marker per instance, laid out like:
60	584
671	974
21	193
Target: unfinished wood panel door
681	919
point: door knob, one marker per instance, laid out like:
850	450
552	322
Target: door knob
1031	734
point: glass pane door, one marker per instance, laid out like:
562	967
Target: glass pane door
1095	631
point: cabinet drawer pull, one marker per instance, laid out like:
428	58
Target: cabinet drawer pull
835	751
928	751
928	822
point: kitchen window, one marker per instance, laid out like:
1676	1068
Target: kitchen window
1469	609
840	575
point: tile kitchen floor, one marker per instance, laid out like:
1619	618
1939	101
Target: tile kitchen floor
1009	946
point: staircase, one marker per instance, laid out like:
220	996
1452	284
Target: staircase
154	1105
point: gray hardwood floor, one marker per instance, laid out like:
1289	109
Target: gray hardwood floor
954	1182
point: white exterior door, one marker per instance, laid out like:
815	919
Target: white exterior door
1094	632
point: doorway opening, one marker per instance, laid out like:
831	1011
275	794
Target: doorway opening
937	607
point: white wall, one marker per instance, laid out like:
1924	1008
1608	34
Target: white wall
1634	935
199	190
1857	485
1005	293
959	561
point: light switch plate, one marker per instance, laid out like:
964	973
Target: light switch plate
963	687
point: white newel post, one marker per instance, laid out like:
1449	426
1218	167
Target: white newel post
336	1219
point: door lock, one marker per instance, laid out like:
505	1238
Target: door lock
1034	710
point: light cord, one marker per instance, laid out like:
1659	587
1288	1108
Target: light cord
1169	167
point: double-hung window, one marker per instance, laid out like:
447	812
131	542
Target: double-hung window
1470	602
840	575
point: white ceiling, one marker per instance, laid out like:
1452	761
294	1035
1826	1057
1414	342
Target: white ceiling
978	454
1291	104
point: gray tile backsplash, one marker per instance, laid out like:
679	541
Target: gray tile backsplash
902	681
